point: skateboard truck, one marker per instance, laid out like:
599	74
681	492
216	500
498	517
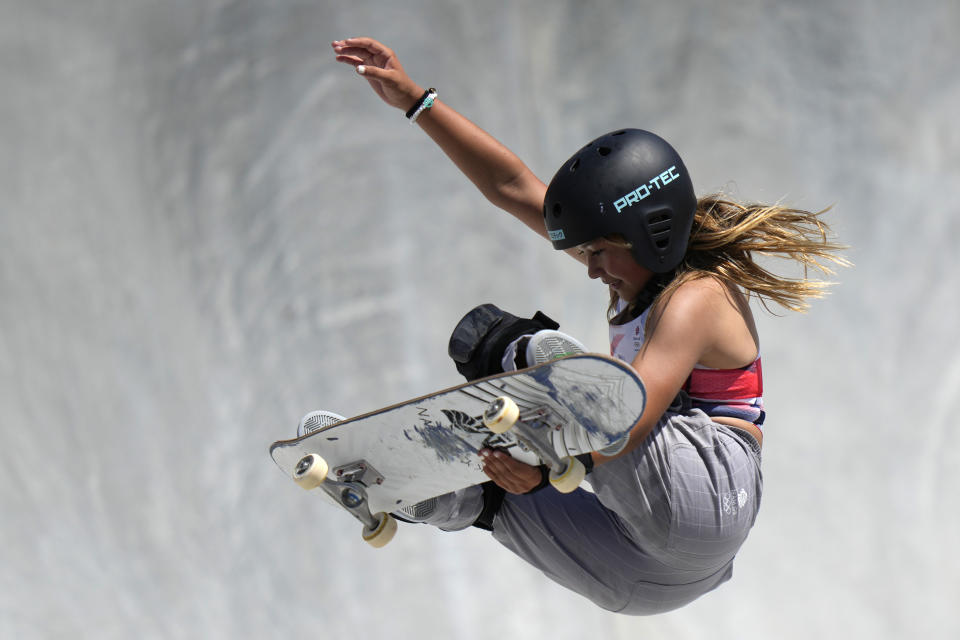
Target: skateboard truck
360	471
347	486
502	414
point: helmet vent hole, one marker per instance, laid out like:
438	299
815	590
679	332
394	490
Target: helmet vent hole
557	210
659	219
575	165
619	133
604	151
659	226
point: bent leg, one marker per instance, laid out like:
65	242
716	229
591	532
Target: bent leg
583	546
662	529
689	493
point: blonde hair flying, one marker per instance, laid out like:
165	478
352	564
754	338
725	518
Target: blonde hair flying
728	237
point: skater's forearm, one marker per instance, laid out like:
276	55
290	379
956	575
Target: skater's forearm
495	170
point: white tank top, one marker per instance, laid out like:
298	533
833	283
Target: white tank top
627	339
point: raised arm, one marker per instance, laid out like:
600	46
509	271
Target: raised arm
495	170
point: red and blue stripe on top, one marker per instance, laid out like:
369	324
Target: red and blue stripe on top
728	393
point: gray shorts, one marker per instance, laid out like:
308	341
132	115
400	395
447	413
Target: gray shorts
662	526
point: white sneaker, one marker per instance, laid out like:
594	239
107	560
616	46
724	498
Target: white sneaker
549	345
450	512
316	420
542	346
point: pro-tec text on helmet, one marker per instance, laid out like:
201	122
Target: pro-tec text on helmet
641	192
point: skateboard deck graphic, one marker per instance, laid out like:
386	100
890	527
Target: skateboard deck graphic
408	452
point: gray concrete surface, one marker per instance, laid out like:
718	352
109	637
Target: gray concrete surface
207	228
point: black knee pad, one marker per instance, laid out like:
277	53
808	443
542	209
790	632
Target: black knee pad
480	338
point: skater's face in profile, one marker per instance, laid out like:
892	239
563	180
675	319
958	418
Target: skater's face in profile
612	263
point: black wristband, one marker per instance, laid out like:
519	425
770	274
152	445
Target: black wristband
544	479
587	460
419	102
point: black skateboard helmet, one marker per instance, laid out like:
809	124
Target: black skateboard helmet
629	182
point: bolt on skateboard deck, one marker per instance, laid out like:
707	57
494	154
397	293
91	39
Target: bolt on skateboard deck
380	462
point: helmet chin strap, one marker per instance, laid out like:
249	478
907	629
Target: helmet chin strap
649	293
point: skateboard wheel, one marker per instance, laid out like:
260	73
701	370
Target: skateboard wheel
311	471
570	478
384	532
501	415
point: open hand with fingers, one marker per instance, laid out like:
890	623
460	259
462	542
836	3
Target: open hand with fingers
380	66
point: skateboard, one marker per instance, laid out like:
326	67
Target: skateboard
383	461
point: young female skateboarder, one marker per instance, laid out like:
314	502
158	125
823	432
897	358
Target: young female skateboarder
671	509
